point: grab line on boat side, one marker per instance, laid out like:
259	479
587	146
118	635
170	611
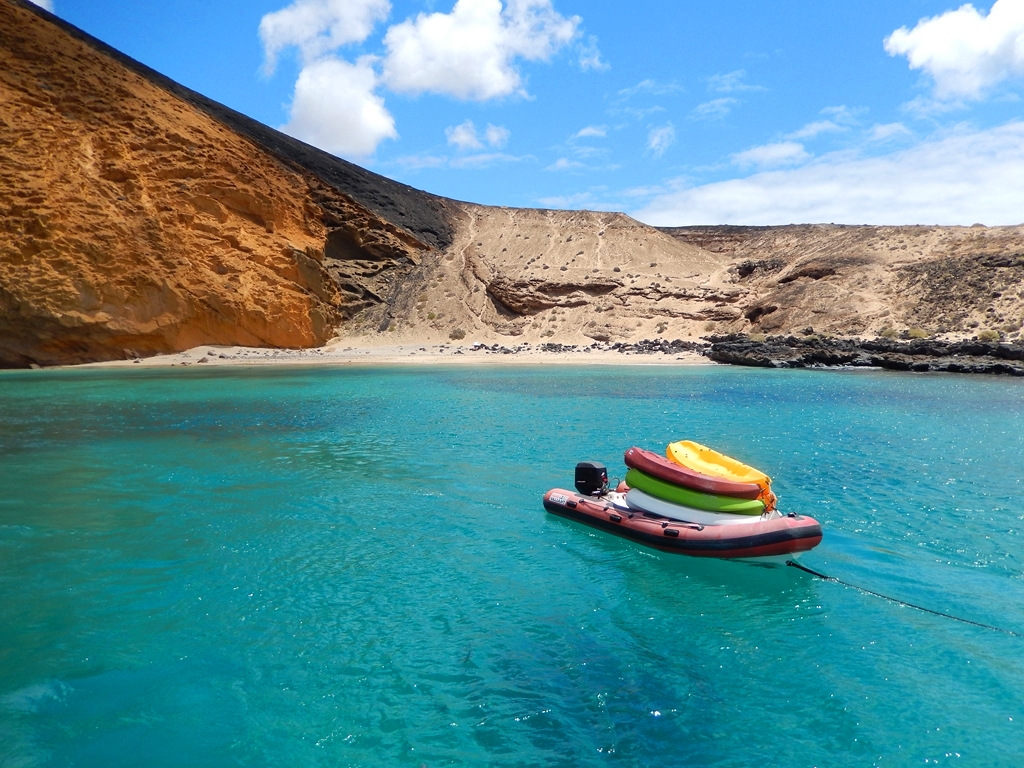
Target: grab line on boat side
900	602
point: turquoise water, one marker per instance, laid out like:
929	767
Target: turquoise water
353	567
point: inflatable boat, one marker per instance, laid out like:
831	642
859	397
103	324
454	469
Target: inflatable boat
660	511
773	537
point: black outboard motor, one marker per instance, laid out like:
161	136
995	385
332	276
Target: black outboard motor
591	478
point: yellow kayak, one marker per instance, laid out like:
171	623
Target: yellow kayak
707	461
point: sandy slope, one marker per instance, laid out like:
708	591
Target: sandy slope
864	280
571	276
576	276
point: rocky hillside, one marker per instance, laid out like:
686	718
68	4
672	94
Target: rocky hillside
572	277
866	281
140	217
566	276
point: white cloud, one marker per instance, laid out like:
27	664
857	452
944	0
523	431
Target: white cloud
470	53
485	159
964	51
811	130
888	131
959	178
715	109
590	56
649	86
843	114
660	139
417	162
473	161
334	105
597	131
771	155
317	27
841	118
497	135
335	108
564	164
465	136
670	185
731	82
926	107
47	4
638	114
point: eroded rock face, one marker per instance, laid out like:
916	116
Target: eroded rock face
574	276
538	274
862	280
133	223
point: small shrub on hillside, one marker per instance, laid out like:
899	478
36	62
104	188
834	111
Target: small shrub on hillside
431	316
759	337
457	334
989	335
918	333
887	333
662	327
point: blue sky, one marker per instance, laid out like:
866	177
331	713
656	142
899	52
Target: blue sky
726	111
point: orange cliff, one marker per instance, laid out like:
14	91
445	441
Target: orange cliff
133	222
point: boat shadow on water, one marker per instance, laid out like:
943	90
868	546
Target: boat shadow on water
662	576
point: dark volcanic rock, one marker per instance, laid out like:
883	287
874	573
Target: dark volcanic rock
923	355
656	346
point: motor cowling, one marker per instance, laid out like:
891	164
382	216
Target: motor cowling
591	478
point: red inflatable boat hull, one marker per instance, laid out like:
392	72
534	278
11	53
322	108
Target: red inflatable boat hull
761	539
663	469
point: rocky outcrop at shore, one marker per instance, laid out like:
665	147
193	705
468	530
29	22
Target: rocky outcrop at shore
642	347
917	355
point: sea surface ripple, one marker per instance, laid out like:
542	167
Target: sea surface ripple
353	567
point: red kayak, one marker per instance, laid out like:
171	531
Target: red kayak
771	537
658	466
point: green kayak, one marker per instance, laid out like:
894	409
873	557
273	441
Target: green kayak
695	499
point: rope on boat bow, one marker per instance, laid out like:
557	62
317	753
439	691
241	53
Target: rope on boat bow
896	600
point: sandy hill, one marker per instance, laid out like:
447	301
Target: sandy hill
866	280
140	217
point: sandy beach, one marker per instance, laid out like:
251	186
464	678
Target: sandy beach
345	352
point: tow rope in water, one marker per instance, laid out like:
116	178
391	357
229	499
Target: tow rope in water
900	602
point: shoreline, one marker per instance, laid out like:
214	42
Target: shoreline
920	356
344	354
